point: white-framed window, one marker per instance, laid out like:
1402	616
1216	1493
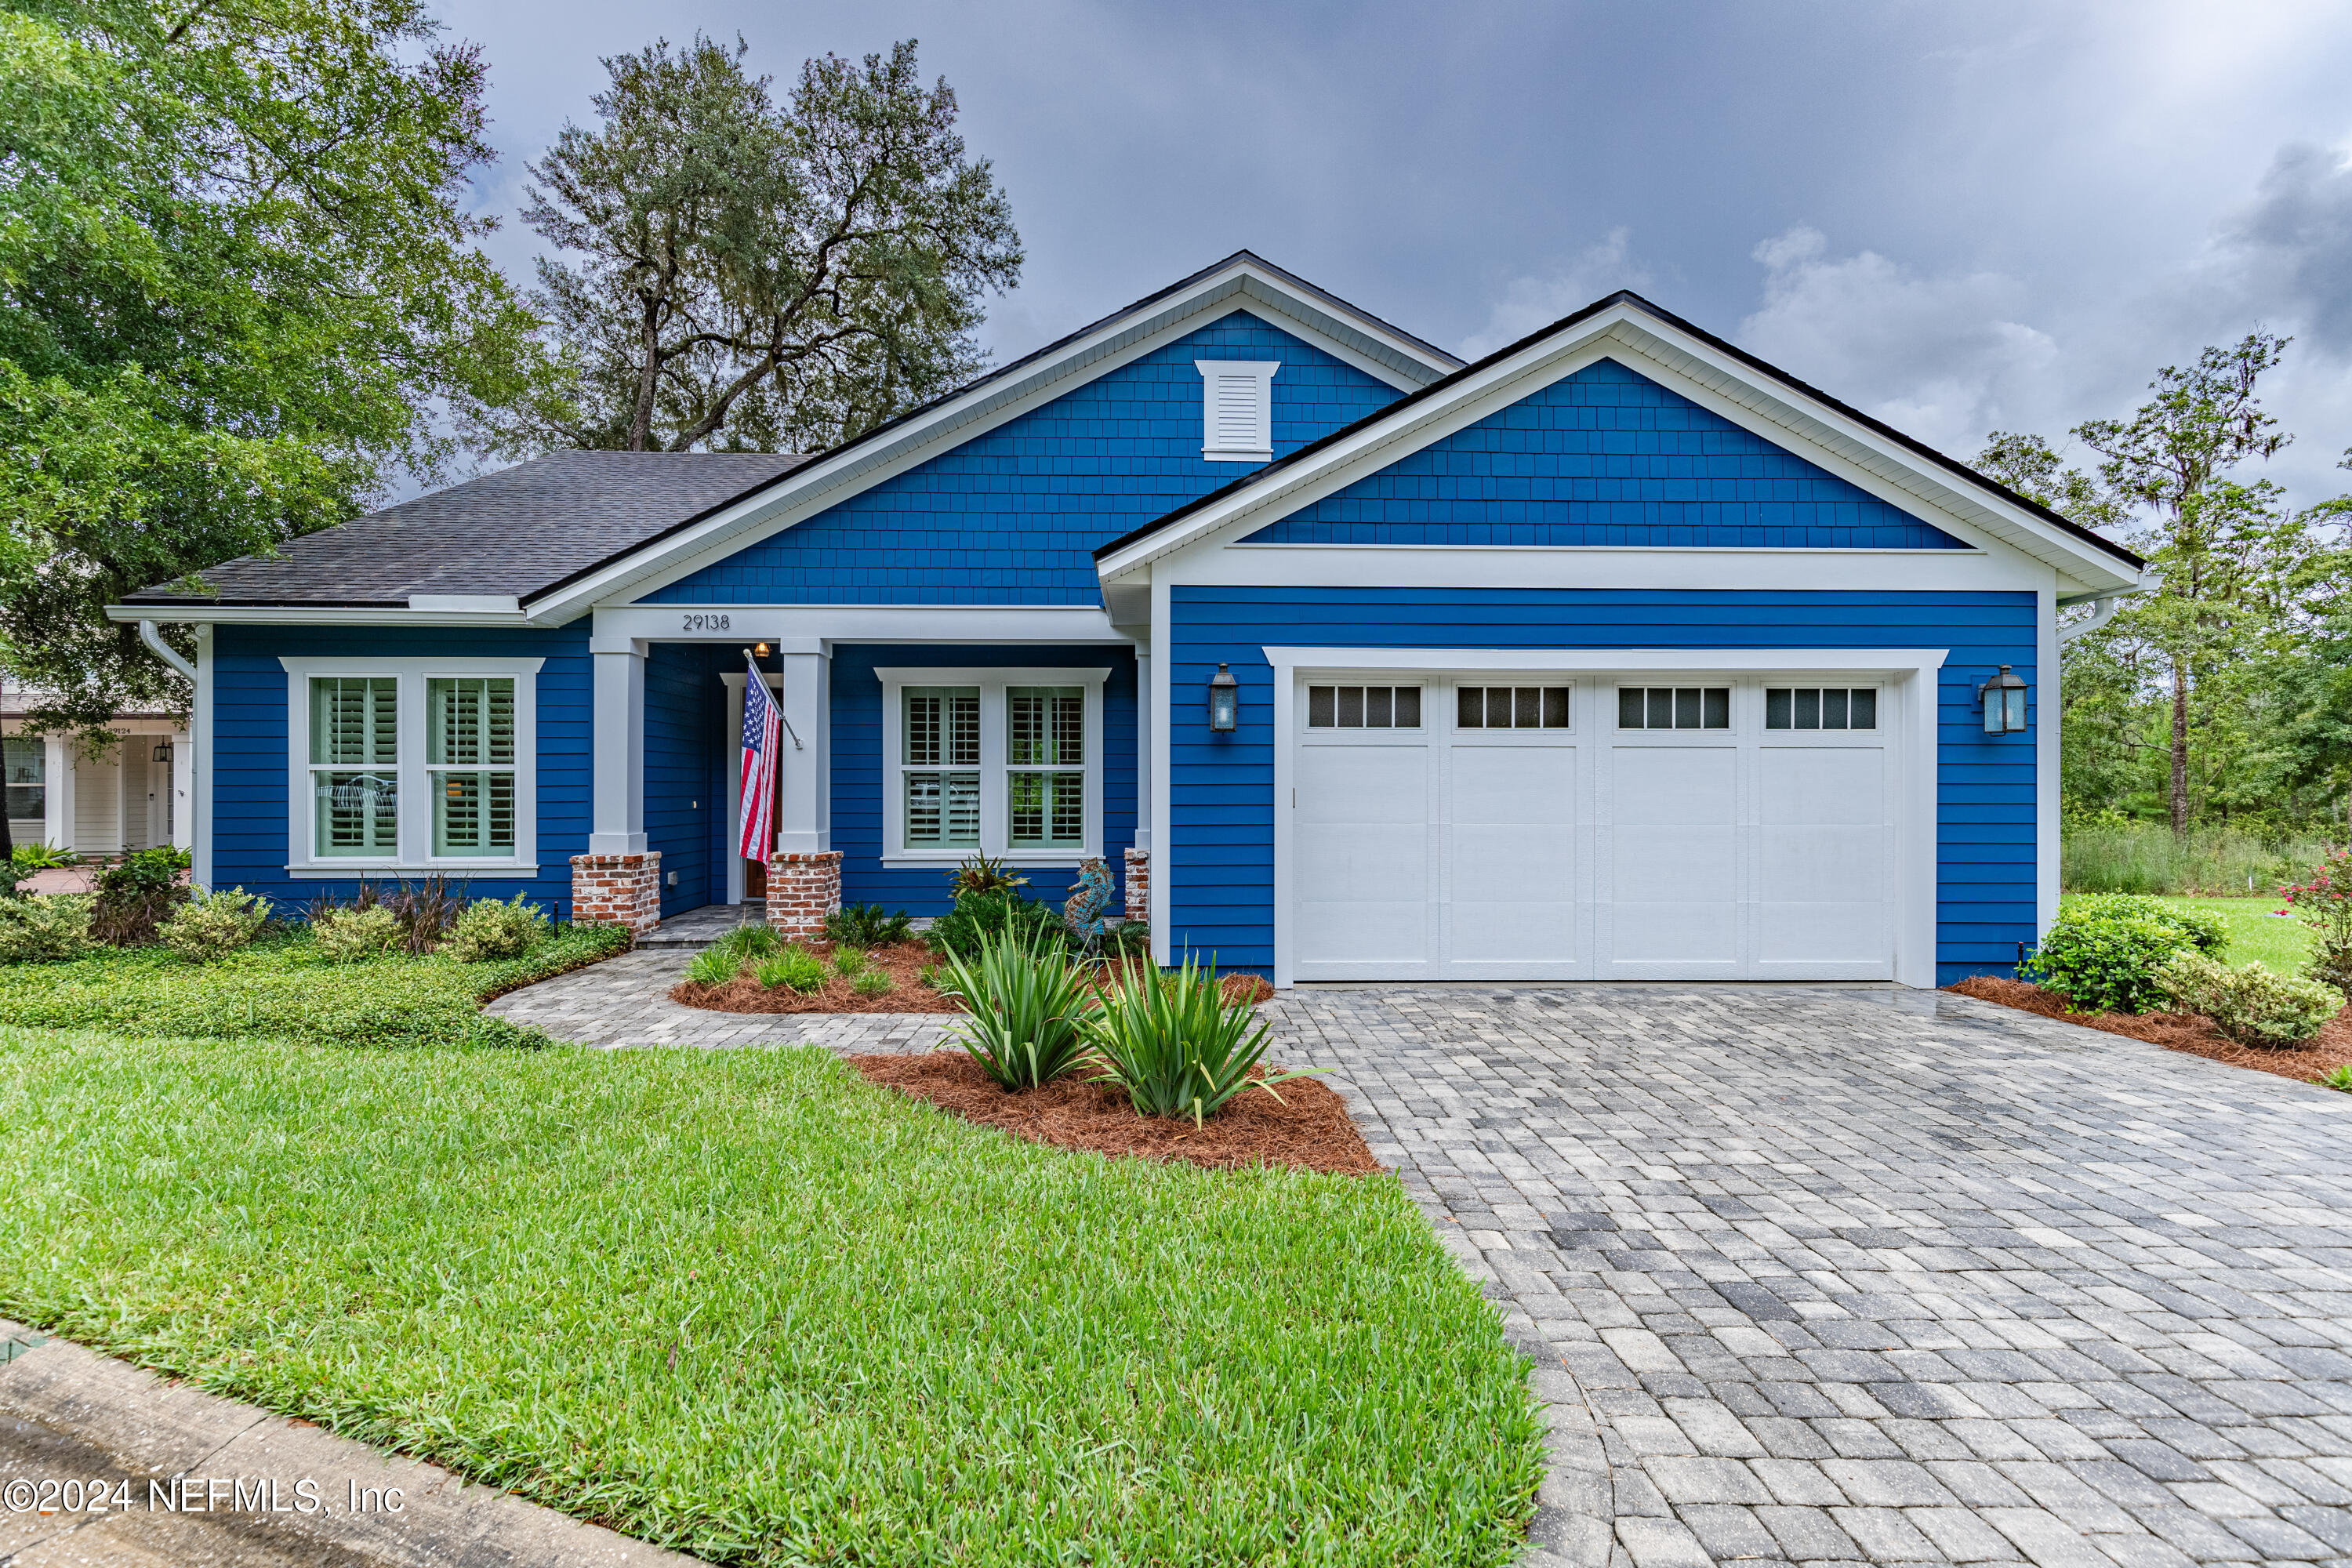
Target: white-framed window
991	762
1237	409
1821	707
1674	708
1512	707
412	765
24	766
1347	706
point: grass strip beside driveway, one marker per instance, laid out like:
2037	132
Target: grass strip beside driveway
741	1303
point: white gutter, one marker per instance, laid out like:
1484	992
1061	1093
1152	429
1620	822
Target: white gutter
164	651
2103	610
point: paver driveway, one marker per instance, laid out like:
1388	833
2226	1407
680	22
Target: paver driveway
1860	1275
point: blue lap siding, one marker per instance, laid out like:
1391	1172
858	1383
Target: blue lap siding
1606	457
1219	861
858	783
1011	516
250	811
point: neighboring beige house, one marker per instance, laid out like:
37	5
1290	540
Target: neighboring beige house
135	798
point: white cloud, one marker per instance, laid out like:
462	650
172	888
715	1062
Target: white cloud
1529	303
1942	358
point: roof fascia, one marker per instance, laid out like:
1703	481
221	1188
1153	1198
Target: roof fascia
1622	330
827	480
199	613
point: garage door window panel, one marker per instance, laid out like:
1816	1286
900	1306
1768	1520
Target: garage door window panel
1821	707
1349	707
1512	708
1674	708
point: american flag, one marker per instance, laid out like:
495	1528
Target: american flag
761	718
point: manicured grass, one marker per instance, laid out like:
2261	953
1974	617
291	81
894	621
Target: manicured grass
742	1303
284	987
2280	946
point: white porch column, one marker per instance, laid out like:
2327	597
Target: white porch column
200	765
1143	747
181	785
617	749
57	795
805	819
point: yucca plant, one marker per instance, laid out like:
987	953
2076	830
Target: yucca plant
713	966
795	966
1175	1045
1028	1009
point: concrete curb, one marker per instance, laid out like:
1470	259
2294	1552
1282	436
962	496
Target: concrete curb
69	1402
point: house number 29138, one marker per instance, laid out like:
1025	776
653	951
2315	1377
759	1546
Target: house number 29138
705	624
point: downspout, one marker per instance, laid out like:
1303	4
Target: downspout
2103	610
164	651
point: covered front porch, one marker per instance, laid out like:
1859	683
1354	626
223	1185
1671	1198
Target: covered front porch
898	757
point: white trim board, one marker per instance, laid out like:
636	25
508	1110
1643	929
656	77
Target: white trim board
1910	675
1834	441
993	766
745	623
1580	566
415	813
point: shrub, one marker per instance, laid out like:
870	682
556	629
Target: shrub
979	874
865	925
713	966
135	893
848	963
213	925
349	935
493	929
1177	1046
2339	1077
2102	953
44	928
795	966
873	983
2249	1004
24	859
1130	939
749	941
1028	1009
978	916
2324	903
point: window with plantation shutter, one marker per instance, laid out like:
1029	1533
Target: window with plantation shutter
354	766
1237	409
998	762
469	744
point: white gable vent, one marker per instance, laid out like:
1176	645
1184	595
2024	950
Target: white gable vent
1237	409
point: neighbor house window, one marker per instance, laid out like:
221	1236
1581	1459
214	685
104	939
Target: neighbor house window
25	763
993	762
1821	707
1674	708
1363	707
411	762
1511	706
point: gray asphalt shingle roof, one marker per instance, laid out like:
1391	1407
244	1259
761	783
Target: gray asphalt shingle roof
520	531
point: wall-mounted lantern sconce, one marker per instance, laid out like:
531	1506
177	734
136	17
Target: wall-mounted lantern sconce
760	650
1225	702
2003	700
162	753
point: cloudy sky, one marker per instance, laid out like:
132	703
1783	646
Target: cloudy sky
1961	218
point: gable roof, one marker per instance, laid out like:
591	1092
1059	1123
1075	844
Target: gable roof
1620	308
510	534
565	531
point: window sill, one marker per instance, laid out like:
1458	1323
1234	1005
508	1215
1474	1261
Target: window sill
1017	859
363	869
1226	454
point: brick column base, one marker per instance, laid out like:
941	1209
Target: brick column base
617	889
1139	885
802	890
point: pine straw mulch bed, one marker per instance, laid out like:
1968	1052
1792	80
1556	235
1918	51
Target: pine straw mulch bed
903	961
1308	1127
2191	1032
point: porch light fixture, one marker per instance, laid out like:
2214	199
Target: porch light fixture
1225	702
759	650
162	753
2003	700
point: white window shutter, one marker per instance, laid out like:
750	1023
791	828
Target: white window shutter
1237	409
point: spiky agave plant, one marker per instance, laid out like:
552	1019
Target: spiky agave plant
1177	1046
1027	1009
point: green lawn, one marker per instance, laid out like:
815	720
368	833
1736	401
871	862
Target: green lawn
743	1303
2255	936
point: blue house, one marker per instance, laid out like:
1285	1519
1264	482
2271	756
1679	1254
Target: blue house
1618	654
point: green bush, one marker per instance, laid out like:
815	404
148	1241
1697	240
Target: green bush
1028	1009
44	928
977	918
494	929
347	936
749	941
24	859
867	925
714	966
285	988
2323	901
2197	928
2249	1004
873	983
1175	1045
2337	1077
848	963
2105	963
796	967
135	893
213	925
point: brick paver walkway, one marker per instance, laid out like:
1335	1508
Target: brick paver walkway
1826	1276
1849	1276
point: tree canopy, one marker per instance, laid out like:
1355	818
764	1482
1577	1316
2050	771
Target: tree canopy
735	274
234	280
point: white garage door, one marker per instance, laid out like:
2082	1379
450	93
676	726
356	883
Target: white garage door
1497	828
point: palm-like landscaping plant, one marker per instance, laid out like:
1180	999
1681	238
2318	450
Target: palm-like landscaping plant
1029	1009
1175	1045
